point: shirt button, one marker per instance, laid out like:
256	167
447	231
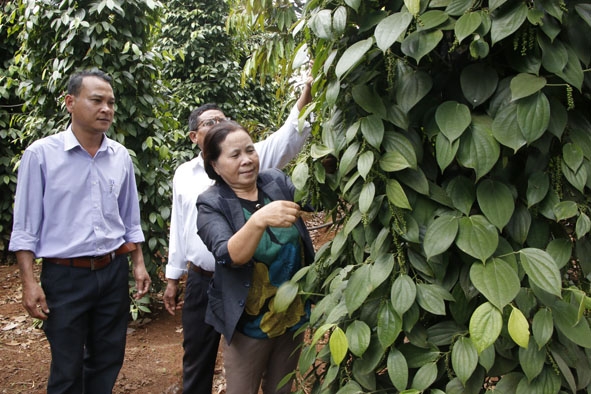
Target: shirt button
246	284
241	303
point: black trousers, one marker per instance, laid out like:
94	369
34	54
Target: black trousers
87	326
200	340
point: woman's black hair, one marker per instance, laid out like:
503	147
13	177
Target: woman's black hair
212	145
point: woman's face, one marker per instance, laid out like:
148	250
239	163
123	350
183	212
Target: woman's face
238	163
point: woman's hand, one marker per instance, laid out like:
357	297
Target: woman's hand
279	213
243	244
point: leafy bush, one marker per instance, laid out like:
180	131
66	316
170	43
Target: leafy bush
463	137
204	64
57	39
9	104
165	59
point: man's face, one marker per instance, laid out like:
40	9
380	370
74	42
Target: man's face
93	108
206	121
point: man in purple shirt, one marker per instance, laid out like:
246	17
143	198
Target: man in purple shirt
76	208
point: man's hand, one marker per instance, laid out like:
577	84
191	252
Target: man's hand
34	301
140	274
33	295
142	280
170	296
306	96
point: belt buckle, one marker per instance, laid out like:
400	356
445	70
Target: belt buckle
92	259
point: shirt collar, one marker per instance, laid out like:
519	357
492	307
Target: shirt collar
70	141
199	160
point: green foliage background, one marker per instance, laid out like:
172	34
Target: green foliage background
462	134
55	39
165	59
462	260
9	104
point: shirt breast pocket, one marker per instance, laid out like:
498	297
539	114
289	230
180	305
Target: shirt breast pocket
111	198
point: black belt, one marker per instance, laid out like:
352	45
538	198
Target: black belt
201	271
93	262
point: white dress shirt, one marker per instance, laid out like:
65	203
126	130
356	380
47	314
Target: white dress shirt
190	179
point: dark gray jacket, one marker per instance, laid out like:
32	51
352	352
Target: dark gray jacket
219	217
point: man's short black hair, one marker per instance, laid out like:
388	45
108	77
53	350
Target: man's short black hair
195	115
75	83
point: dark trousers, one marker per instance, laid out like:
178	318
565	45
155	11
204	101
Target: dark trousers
200	340
87	326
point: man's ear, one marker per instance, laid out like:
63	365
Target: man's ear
69	100
193	137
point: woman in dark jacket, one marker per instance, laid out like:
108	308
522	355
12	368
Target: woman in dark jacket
249	221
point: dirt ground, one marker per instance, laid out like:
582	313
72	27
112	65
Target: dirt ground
153	358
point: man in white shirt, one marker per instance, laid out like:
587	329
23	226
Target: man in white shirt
188	254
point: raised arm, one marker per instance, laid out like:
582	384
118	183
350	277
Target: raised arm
277	150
